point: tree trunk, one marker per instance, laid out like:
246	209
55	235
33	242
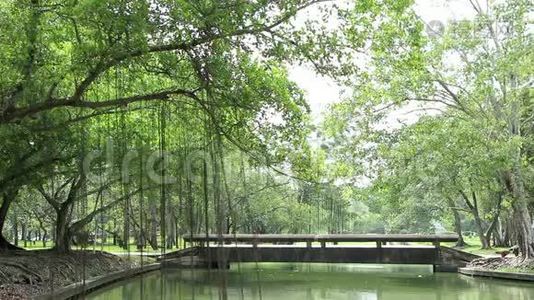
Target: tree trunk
522	222
484	241
523	229
44	237
7	198
24	233
15	230
63	236
176	230
457	223
171	231
42	232
153	241
5	245
458	229
473	208
114	232
126	220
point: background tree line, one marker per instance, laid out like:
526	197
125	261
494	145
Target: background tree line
465	153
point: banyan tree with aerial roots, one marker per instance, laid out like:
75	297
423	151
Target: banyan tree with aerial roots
180	134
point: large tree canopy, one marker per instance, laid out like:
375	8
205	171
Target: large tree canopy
476	148
94	91
66	53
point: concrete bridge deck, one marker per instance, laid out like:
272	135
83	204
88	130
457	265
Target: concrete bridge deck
220	250
320	238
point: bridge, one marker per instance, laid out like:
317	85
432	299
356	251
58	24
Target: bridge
221	250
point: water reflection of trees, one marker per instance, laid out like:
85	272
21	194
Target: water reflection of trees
319	281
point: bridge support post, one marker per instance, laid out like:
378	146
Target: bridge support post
438	252
380	253
445	268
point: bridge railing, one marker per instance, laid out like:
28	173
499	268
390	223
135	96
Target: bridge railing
379	239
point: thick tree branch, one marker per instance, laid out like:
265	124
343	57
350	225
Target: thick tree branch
20	113
87	219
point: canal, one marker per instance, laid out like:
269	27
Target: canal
280	281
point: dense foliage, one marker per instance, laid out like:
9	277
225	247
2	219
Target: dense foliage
466	149
147	120
138	122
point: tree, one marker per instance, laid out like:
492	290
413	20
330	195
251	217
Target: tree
67	51
471	74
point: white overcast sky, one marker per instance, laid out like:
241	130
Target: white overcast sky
321	91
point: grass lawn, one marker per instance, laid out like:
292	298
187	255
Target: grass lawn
115	249
516	270
475	247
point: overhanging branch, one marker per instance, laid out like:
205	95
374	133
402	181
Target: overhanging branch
20	113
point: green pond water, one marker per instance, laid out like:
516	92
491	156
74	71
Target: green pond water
314	281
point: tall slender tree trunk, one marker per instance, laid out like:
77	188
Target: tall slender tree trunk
163	188
43	238
153	241
16	231
205	190
24	234
458	228
126	221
